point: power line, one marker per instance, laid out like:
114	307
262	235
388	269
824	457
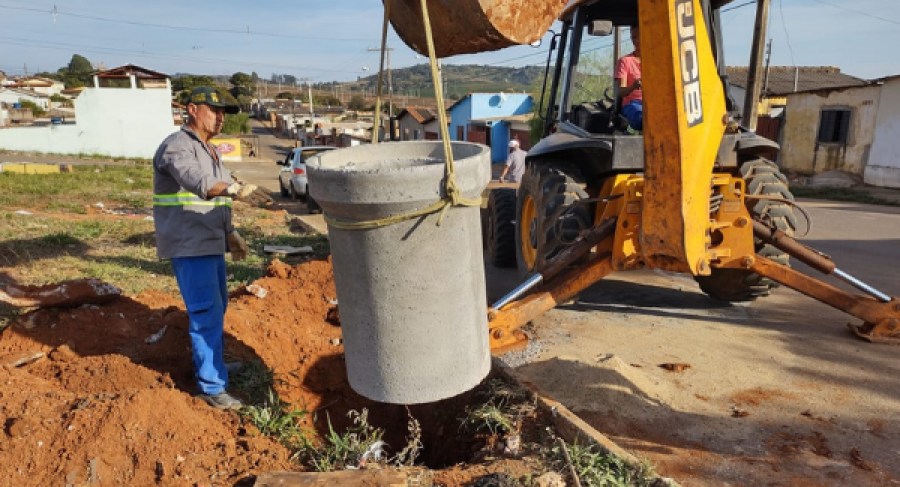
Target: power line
109	50
786	35
181	28
891	21
729	9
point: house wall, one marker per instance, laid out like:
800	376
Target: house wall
9	97
801	151
111	122
460	114
433	130
883	168
408	127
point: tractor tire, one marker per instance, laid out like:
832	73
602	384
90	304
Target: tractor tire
762	178
549	215
500	227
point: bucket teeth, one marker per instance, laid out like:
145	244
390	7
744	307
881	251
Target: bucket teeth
885	331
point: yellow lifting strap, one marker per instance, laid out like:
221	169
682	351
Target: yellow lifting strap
453	195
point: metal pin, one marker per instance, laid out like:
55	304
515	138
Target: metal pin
518	291
884	298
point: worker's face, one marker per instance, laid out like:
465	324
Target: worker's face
635	38
207	119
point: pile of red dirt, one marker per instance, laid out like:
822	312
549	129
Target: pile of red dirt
111	402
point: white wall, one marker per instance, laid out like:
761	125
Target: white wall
114	122
883	168
10	97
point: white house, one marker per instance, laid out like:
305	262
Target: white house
15	95
115	122
883	165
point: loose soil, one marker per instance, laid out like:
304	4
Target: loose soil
105	406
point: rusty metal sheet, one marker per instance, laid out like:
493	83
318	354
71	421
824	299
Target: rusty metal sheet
472	26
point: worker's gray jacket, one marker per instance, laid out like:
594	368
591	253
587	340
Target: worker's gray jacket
187	223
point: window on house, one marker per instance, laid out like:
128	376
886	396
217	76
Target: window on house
417	135
834	125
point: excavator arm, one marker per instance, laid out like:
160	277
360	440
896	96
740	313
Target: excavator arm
664	219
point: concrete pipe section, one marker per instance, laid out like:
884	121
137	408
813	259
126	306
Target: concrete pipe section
472	26
412	294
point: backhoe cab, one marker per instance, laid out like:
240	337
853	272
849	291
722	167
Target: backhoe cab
691	193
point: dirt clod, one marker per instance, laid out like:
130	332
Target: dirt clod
675	367
63	353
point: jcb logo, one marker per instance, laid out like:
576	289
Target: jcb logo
690	68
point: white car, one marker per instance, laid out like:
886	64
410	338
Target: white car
292	178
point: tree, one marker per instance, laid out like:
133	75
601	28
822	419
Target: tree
239	91
36	110
240	80
77	73
329	101
185	84
357	102
79	65
254	78
284	95
189	82
238	123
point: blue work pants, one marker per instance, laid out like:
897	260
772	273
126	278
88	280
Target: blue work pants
634	112
203	284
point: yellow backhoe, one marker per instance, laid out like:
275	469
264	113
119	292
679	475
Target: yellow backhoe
691	193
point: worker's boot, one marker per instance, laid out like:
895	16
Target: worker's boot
222	400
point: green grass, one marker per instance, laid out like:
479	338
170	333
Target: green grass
498	409
255	381
597	468
278	420
341	450
841	194
114	186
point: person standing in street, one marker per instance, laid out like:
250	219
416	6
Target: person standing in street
515	163
192	196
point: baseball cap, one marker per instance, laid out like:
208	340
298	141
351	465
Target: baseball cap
211	97
513	144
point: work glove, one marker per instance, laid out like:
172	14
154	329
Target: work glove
502	180
246	191
237	246
234	189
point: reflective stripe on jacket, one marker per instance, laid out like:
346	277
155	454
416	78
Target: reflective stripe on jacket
187	223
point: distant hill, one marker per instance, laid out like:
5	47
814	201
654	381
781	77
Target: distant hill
458	80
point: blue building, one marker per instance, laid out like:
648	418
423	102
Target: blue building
482	118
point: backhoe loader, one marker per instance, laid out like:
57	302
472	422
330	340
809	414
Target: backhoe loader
690	194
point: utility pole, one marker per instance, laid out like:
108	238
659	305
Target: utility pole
751	102
309	93
766	73
390	84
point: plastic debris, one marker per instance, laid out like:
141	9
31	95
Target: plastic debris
257	290
150	340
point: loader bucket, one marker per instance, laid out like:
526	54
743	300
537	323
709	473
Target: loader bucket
471	26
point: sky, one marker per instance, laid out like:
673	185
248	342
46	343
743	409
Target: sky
331	40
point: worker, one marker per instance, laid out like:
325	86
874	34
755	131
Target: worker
192	195
515	163
628	79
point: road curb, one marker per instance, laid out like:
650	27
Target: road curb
570	427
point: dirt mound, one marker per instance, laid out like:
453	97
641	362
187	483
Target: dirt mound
112	405
111	401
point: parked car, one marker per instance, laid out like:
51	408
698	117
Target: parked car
292	178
